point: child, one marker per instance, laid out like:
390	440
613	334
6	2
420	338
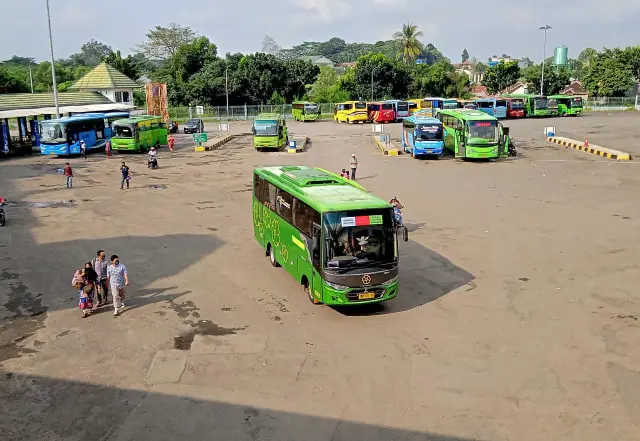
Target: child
68	173
344	173
86	301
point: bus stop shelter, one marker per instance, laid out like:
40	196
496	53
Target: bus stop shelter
26	109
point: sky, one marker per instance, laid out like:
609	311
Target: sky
484	27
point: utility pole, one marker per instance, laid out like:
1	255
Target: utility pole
544	28
30	76
53	64
372	71
226	82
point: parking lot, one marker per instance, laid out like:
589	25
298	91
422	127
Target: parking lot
516	319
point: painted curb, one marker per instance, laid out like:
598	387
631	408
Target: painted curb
595	149
213	144
383	149
299	147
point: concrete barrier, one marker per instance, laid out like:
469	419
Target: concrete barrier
605	152
213	143
390	150
301	144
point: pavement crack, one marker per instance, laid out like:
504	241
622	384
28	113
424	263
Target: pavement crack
302	366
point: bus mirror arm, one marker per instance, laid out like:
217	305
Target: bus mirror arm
315	242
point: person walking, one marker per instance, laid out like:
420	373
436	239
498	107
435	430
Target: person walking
172	141
107	148
83	148
100	265
124	170
118	278
68	173
353	164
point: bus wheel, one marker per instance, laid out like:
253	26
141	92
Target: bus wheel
307	290
272	256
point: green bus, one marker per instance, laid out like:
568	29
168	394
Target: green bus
305	111
568	105
470	133
269	131
536	105
138	133
337	240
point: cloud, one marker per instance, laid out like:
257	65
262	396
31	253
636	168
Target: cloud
324	10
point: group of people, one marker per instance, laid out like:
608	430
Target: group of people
353	166
99	277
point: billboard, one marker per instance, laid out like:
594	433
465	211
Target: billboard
157	102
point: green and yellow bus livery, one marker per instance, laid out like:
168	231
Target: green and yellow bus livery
138	133
269	131
305	111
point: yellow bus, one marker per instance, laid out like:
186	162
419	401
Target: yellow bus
350	112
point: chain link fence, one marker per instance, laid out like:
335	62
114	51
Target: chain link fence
247	112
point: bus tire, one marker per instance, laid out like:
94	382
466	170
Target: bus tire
306	288
272	256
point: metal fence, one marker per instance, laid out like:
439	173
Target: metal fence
242	113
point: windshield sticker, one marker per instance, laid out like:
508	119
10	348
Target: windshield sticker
375	220
348	221
361	221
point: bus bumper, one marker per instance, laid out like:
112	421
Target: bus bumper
435	148
54	149
359	296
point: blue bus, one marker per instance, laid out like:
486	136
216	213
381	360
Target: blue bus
401	108
62	136
496	107
422	135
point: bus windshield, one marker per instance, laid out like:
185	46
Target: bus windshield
52	133
540	103
266	129
359	239
501	103
387	106
311	109
485	130
428	132
576	102
123	131
361	105
517	104
374	107
402	106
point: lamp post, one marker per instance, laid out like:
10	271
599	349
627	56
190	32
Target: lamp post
53	66
544	28
226	86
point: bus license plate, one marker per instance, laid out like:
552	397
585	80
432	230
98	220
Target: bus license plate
366	296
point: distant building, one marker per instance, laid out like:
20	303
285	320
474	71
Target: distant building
317	60
504	58
479	91
518	88
108	81
468	69
575	89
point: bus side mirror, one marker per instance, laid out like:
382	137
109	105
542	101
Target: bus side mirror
253	130
405	234
315	242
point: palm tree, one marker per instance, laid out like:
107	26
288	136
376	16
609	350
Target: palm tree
408	44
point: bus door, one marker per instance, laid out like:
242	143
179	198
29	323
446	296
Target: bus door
316	260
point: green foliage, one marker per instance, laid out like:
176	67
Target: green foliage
465	55
276	98
408	44
500	76
125	65
11	81
555	78
92	53
609	73
438	80
390	79
163	42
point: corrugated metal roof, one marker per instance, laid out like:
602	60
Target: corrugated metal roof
16	113
14	101
104	76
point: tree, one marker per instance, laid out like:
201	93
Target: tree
438	80
125	65
608	74
431	55
269	46
555	78
259	75
92	53
409	45
10	82
326	88
19	61
276	98
390	79
632	56
465	56
299	75
500	76
163	42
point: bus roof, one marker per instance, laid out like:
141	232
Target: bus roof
269	117
395	101
555	97
417	118
468	114
84	117
489	99
305	102
320	189
136	119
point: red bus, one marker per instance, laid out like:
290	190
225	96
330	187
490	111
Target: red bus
515	107
381	112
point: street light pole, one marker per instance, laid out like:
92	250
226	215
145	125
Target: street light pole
226	82
53	65
30	76
544	28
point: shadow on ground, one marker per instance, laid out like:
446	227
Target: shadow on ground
37	408
425	276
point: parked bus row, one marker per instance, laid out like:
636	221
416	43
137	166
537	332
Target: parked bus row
62	136
464	133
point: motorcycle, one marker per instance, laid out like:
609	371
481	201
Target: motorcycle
397	214
511	151
152	163
2	218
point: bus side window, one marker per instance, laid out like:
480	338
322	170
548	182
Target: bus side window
304	217
284	205
259	188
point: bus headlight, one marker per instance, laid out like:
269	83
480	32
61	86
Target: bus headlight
336	286
390	281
